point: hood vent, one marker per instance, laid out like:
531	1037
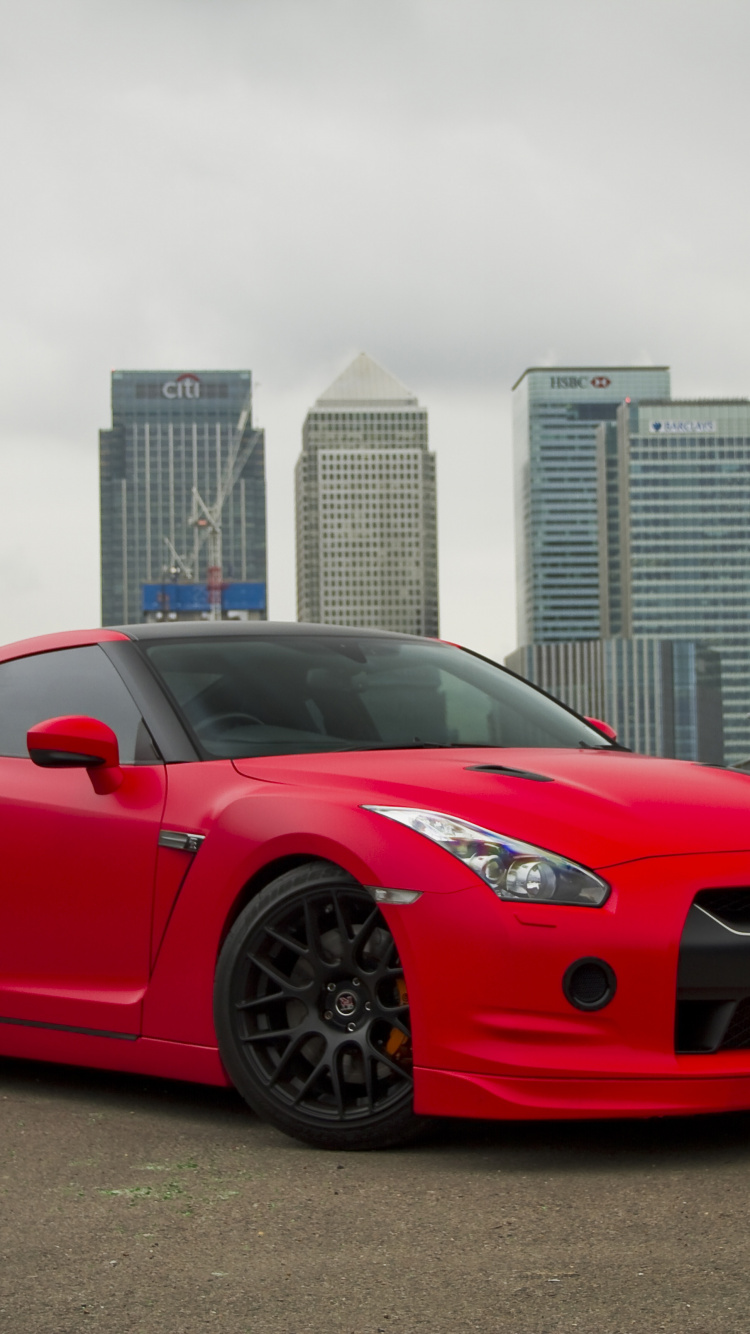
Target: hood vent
508	773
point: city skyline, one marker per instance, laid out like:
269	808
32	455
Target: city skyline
218	207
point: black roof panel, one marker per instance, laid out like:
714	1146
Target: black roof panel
236	629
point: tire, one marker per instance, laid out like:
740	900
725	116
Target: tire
311	1013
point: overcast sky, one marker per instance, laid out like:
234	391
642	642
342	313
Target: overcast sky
460	188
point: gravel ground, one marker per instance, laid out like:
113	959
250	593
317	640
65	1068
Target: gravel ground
139	1206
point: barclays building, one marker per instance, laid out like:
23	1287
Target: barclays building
674	524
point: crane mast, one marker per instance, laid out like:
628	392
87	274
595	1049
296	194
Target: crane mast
206	520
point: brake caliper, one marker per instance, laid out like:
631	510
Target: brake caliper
398	1045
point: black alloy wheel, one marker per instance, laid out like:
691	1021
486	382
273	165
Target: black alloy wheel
312	1015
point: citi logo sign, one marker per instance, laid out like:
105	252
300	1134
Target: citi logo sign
185	386
579	381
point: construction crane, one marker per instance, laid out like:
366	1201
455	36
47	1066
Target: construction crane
179	564
206	519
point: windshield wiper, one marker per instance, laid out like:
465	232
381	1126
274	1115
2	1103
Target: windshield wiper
422	745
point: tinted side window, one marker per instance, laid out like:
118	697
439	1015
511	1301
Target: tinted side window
71	680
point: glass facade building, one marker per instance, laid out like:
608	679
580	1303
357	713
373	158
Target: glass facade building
173	432
663	697
556	413
675	536
366	507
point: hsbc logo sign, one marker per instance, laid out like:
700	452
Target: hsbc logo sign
185	386
579	382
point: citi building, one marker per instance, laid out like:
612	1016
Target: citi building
182	498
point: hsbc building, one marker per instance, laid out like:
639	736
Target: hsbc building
556	412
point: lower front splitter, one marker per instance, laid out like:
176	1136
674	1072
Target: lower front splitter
496	1097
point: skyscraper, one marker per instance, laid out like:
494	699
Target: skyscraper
556	411
174	433
367	507
662	696
675	533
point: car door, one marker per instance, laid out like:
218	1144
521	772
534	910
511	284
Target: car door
77	883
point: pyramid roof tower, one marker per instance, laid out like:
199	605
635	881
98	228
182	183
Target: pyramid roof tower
365	382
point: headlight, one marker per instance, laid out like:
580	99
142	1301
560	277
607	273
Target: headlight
514	870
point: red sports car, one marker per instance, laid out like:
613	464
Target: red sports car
364	877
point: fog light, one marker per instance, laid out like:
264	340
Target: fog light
589	984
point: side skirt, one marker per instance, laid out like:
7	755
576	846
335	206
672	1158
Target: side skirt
113	1051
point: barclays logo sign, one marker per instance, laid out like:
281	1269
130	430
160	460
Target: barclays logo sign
681	427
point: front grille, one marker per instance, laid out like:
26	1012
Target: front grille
738	1032
713	976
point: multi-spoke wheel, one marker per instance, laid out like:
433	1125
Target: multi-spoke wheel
312	1014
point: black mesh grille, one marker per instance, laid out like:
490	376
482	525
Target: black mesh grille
729	905
738	1032
589	983
713	973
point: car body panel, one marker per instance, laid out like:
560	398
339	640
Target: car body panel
509	961
22	648
589	812
76	894
251	826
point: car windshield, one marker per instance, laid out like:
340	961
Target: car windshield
291	694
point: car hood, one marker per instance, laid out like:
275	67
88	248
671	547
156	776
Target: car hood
598	807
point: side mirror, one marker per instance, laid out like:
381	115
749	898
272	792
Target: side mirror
604	728
78	742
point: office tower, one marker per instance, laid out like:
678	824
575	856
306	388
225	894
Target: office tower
366	507
674	535
663	697
175	434
556	412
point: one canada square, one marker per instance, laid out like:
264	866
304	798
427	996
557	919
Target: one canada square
366	507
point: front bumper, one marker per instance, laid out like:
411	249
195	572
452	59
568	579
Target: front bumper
495	1036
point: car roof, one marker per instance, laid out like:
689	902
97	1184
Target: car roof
153	630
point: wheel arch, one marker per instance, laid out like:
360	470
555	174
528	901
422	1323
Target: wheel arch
264	876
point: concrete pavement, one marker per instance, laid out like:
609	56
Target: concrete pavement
134	1206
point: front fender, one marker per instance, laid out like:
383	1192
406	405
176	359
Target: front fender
250	832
